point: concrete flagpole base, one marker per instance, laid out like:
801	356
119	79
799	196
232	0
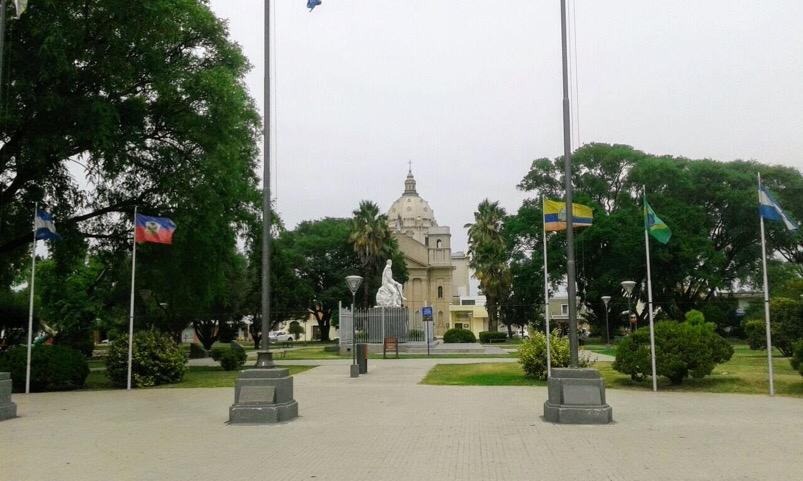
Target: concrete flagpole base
263	394
355	370
577	396
8	409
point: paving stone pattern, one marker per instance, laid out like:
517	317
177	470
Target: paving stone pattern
386	426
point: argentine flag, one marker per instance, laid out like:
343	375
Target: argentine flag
770	210
44	226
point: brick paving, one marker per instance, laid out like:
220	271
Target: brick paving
386	426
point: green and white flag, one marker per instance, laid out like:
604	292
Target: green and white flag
657	228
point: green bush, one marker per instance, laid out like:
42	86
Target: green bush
53	368
756	334
232	359
786	321
682	349
532	354
217	351
156	360
797	356
492	336
197	351
459	335
786	325
416	334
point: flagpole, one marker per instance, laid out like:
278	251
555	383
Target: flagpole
649	295
30	303
546	295
2	41
131	308
766	293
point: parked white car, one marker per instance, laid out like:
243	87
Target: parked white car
280	336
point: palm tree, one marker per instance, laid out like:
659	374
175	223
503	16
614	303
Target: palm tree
371	239
489	257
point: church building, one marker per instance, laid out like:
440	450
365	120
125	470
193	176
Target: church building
427	253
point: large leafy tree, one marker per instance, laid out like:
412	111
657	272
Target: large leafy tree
114	103
710	206
489	256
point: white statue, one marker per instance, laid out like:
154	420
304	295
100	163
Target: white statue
390	294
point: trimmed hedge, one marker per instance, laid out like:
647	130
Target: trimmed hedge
492	336
756	332
233	359
156	360
459	335
217	352
53	368
682	349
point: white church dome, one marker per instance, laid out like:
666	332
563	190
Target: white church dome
410	213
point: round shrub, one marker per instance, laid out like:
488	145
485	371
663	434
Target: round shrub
459	335
682	349
532	354
756	332
53	368
797	356
233	359
197	351
492	336
156	360
217	351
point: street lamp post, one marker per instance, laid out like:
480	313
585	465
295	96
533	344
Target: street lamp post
354	283
628	287
606	300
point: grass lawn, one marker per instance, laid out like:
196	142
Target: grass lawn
745	373
196	376
601	349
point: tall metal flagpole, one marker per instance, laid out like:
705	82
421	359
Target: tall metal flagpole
567	159
546	296
30	304
266	209
649	296
131	306
766	294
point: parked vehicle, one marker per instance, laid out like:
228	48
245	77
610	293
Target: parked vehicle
280	336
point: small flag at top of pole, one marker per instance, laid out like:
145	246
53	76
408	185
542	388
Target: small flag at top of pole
312	4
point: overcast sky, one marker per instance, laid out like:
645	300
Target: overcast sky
470	91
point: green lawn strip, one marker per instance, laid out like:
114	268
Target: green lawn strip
196	376
745	373
601	349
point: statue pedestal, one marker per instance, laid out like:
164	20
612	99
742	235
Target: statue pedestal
8	409
577	396
263	394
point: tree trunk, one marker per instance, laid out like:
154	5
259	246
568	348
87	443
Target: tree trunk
490	305
206	331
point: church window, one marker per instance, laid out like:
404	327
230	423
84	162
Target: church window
438	244
440	290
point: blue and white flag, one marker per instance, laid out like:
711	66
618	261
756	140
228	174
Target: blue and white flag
770	210
44	226
312	4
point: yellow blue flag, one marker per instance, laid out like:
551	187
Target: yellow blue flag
555	215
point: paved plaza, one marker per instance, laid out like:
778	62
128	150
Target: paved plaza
387	426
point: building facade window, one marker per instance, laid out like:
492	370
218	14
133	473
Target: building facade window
438	243
564	309
440	290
